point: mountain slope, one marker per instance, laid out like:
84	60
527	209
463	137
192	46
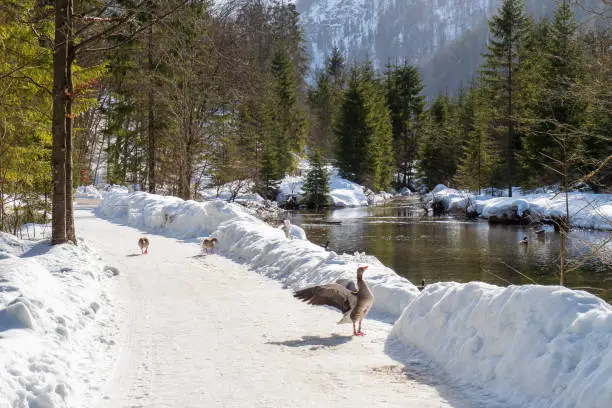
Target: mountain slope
444	37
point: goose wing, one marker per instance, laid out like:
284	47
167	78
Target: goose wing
349	284
333	294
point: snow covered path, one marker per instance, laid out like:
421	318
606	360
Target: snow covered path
205	331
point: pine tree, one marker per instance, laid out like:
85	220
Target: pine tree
335	69
269	172
478	160
289	118
324	100
406	104
597	91
509	29
559	110
321	107
351	131
440	150
365	139
269	175
316	187
379	153
259	124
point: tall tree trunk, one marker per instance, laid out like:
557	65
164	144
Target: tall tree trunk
564	222
151	123
58	153
70	232
510	124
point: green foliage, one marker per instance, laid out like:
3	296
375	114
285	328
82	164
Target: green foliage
259	124
316	187
269	173
439	150
501	74
479	155
288	118
566	104
363	128
351	130
25	103
379	153
559	110
324	101
406	104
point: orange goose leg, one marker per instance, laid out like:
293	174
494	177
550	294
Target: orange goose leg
359	332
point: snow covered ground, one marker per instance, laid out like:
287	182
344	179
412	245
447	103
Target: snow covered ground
87	192
249	240
181	329
204	331
532	346
344	193
587	210
56	323
537	346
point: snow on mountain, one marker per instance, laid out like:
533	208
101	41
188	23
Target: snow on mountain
387	28
433	34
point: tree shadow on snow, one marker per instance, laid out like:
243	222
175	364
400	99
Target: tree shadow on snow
8	322
314	342
419	367
40	248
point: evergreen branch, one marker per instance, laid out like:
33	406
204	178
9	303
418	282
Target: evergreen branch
131	36
597	170
35	83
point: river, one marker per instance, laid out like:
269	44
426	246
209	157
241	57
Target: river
437	249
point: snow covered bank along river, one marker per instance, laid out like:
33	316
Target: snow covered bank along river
481	334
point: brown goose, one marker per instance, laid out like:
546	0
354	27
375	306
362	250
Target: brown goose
143	244
349	284
354	305
209	243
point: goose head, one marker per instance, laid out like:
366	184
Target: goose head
360	271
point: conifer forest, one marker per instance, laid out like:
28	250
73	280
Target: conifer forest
173	95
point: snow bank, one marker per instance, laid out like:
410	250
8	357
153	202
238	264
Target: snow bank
180	218
344	193
243	190
54	322
587	210
87	192
249	240
296	232
536	346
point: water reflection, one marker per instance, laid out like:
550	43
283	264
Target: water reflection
447	249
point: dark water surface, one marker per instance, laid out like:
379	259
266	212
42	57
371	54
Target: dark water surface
450	249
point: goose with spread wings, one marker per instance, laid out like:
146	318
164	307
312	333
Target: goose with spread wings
353	302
